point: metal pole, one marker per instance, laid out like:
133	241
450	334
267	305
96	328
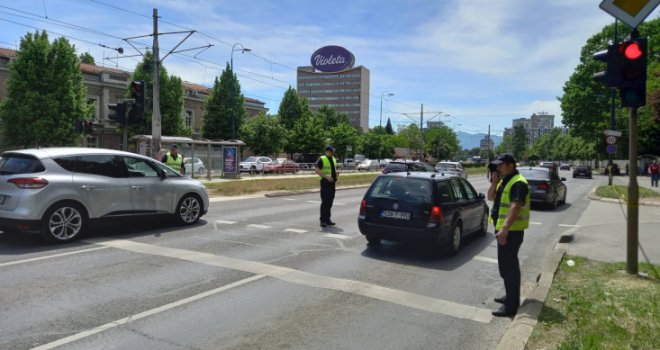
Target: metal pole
421	129
633	198
155	117
231	97
380	123
612	112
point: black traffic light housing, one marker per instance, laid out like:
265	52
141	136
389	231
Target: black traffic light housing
632	89
118	112
88	127
611	56
139	95
78	126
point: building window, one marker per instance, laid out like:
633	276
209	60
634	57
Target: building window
189	118
91	141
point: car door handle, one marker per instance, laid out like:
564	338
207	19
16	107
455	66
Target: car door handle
137	188
88	187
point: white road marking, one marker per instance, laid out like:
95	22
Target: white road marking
225	222
335	235
295	230
314	202
412	300
565	225
486	259
535	223
288	199
263	227
144	314
335	203
50	256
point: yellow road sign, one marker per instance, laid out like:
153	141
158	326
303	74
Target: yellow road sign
630	12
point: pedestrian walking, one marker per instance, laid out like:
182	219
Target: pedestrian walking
174	160
326	169
654	171
510	194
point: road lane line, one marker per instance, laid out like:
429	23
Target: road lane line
295	230
263	227
147	313
409	299
225	222
314	202
335	203
336	235
535	223
288	199
50	256
486	259
565	225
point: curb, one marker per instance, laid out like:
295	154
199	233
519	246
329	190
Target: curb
311	190
521	328
594	196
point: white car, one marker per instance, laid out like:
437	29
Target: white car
451	168
368	165
194	165
255	164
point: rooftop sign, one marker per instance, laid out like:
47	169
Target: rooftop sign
332	59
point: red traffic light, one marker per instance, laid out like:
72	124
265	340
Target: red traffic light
632	51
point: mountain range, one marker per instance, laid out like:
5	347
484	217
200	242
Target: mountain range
470	141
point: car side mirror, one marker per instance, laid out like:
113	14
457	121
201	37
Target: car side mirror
563	179
162	174
482	196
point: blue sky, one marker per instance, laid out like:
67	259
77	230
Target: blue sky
470	62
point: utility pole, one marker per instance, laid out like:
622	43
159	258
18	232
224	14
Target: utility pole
155	118
421	129
633	198
488	140
612	112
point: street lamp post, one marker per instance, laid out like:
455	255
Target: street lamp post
389	94
231	68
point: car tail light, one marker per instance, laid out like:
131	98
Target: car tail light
543	186
29	182
363	207
436	215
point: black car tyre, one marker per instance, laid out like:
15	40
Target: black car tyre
373	239
253	169
189	209
455	239
201	171
63	222
483	228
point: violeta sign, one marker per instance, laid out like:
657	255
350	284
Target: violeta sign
332	58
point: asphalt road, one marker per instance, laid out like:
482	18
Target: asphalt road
259	273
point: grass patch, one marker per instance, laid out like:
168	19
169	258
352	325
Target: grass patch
615	191
594	305
237	188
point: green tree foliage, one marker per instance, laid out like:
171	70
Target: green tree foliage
171	100
372	145
586	103
308	135
342	136
519	141
331	117
87	58
264	134
291	108
45	94
441	143
409	137
219	107
388	127
506	146
557	146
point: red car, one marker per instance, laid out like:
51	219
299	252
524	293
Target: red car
281	166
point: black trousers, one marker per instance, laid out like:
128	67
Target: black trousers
327	197
507	259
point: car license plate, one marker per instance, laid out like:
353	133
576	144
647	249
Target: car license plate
402	215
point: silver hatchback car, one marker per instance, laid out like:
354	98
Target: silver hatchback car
58	191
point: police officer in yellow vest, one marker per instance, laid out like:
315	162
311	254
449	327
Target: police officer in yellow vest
510	192
326	169
174	160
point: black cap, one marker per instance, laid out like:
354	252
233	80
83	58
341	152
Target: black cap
505	158
174	146
330	148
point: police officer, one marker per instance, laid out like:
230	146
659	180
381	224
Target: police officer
326	169
511	196
174	160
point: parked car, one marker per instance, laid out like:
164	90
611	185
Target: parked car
403	166
194	165
57	192
451	168
255	164
421	206
384	162
368	165
280	166
615	169
564	166
545	186
582	171
348	163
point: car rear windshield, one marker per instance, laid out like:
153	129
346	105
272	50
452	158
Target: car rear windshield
416	191
446	166
533	173
20	164
396	167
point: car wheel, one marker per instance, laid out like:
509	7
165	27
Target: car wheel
63	222
201	171
373	239
455	239
484	225
189	210
253	169
555	201
563	201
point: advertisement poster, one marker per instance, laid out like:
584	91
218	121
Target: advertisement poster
229	160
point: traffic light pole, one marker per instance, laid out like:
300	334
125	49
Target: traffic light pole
155	118
633	198
612	114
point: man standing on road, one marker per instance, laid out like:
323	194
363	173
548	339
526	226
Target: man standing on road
326	169
510	194
654	171
174	160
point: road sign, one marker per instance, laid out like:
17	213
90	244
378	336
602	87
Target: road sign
614	133
611	149
630	12
610	140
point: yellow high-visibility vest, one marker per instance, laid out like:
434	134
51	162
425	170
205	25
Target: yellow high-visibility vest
522	221
326	166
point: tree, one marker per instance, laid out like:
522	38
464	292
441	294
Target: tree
441	143
45	94
388	127
372	144
519	141
219	107
409	137
331	117
506	146
87	58
171	100
263	134
291	108
342	136
308	135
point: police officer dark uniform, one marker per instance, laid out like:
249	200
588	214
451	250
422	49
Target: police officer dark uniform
326	169
511	201
174	160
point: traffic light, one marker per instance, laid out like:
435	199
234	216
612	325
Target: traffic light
88	127
612	57
118	112
78	126
139	94
632	89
